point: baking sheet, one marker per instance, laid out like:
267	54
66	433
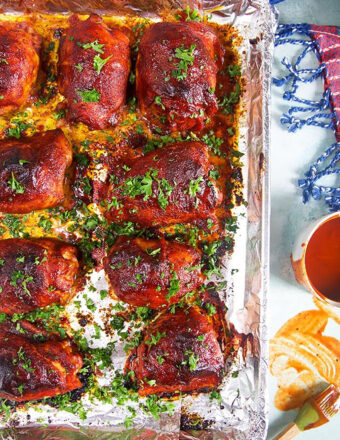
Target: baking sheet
243	410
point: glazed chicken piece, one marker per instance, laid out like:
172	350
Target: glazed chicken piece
34	365
176	74
19	64
179	352
94	64
35	273
152	273
32	171
167	186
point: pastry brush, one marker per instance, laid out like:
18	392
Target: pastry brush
316	411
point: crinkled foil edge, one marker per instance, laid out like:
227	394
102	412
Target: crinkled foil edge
257	102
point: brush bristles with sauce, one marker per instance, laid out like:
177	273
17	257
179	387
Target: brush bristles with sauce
315	412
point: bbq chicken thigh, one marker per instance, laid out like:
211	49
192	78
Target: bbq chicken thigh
152	273
94	64
35	273
34	365
32	171
166	186
179	353
176	73
19	64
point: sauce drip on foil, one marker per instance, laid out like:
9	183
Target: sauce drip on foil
323	259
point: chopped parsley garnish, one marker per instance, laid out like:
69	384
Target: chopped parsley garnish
210	308
195	186
18	129
155	405
139	185
216	395
50	317
51	46
192	360
158	101
234	70
99	63
192	15
14	224
139	129
152	252
164	191
211	258
15	185
174	286
20	275
186	57
79	67
6	409
89	95
59	115
117	322
132	78
154	339
89	303
103	294
231	224
214	143
143	186
160	359
97	331
228	101
94	45
23	361
45	223
214	174
63	401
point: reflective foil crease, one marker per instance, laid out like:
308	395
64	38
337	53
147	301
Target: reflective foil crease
242	413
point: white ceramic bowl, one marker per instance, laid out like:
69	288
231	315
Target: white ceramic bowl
299	253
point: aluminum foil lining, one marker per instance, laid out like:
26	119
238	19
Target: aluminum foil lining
242	413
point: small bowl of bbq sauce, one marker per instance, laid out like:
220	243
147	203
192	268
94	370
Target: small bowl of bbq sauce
316	258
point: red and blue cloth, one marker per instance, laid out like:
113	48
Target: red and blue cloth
324	41
327	40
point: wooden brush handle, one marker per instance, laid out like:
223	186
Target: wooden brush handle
290	432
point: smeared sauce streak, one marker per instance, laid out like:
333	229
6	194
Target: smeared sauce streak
302	358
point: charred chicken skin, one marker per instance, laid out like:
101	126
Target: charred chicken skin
19	64
35	273
167	186
152	273
94	64
179	353
176	73
34	365
32	171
